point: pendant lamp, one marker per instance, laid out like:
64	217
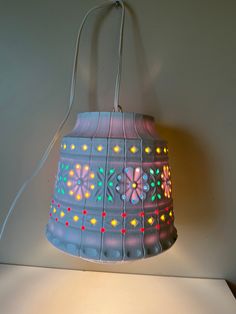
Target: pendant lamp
112	199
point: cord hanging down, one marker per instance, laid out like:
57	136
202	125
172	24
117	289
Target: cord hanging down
117	107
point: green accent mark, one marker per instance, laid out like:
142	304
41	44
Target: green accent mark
110	183
158	183
62	166
101	170
159	196
157	171
153	184
67	167
58	190
62	191
112	170
65	179
99	183
153	198
60	178
110	198
99	198
151	171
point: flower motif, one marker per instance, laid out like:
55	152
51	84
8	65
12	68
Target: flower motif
166	182
61	178
79	182
133	184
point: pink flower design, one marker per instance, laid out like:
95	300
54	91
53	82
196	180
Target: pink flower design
166	182
132	184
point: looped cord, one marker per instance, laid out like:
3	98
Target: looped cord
71	100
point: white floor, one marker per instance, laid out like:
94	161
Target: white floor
33	290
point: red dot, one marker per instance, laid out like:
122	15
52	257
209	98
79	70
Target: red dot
69	209
67	223
103	229
142	229
124	215
168	222
58	205
141	214
56	219
158	227
50	214
82	228
85	212
53	201
166	209
123	231
104	214
157	211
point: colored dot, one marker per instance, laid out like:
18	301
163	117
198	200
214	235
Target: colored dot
123	215
133	149
92	186
69	209
153	198
85	147
58	205
62	214
84	212
64	146
71	173
163	218
142	229
64	179
158	227
92	175
53	201
110	198
116	149
99	148
67	223
103	229
78	196
165	150
77	166
54	210
147	150
110	183
112	170
99	183
123	231
86	167
104	214
157	171
141	214
75	218
134	185
157	212
50	214
71	192
151	220
158	150
99	198
56	219
152	184
69	183
93	221
87	195
137	169
72	146
82	228
170	214
151	171
134	222
62	191
158	183
159	196
101	170
114	223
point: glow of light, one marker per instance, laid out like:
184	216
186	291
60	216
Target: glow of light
147	150
165	150
86	167
103	229
99	148
151	220
116	149
93	221
64	146
170	214
77	166
163	218
62	214
92	175
78	196
134	222
71	192
92	186
71	173
123	231
85	147
69	183
114	223
158	150
133	149
134	185
87	195
75	218
72	146
54	210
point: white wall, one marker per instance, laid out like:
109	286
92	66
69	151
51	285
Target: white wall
179	66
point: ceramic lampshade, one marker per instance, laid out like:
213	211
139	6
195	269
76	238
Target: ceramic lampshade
112	200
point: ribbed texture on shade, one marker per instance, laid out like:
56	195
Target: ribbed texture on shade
112	199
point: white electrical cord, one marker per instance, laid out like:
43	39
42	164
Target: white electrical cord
71	100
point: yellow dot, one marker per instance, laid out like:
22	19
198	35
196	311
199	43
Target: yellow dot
158	150
170	214
116	149
62	214
69	183
71	173
133	149
92	175
64	146
78	196
114	222
93	221
85	147
148	150
87	194
72	146
134	222
151	220
75	218
163	218
86	167
71	192
54	210
92	186
99	148
134	185
77	166
165	150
